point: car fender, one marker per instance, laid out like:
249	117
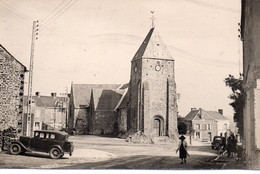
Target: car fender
21	144
57	146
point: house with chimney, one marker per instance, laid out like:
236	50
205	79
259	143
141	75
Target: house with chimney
207	124
48	112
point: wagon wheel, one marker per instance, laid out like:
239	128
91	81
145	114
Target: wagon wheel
15	149
55	153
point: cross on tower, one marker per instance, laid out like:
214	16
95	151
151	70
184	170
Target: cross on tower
152	18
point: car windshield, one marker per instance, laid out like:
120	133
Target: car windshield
217	138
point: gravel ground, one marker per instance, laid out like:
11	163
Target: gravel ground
94	152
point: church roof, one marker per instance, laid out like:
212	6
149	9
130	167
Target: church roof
106	99
153	47
81	93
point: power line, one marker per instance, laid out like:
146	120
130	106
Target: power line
58	14
15	13
53	10
14	9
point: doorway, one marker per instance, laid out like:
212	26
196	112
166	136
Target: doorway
158	126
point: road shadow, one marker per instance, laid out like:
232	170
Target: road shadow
36	155
149	162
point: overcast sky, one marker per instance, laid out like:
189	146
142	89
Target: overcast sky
93	41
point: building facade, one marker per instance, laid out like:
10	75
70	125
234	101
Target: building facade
250	27
152	89
48	112
12	74
207	124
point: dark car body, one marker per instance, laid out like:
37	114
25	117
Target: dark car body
218	142
53	142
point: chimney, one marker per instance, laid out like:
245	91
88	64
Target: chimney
193	109
200	111
53	94
37	94
220	111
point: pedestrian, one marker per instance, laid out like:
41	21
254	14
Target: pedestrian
229	146
182	148
233	146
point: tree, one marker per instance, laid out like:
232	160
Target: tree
238	97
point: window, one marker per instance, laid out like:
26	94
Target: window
225	127
52	136
36	134
41	135
198	126
197	134
37	124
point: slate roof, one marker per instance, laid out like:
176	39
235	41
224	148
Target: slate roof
191	115
215	115
106	99
208	115
153	47
43	101
81	93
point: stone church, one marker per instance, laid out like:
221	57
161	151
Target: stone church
152	89
147	103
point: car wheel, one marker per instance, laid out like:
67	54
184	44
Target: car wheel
15	149
55	153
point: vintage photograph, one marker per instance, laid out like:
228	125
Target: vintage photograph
137	85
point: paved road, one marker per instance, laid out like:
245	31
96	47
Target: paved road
94	152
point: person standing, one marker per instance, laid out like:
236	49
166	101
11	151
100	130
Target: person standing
229	146
182	148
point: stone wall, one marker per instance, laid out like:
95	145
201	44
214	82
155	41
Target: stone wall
81	121
104	122
153	96
11	91
122	120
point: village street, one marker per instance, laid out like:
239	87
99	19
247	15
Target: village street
94	152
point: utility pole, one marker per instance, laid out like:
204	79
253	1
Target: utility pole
66	107
29	101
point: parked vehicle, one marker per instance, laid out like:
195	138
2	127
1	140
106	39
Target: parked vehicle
218	142
53	142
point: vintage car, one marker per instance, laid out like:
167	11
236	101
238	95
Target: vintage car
53	142
218	142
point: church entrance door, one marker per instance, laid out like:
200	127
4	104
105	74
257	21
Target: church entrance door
156	127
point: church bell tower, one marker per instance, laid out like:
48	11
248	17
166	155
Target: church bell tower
153	100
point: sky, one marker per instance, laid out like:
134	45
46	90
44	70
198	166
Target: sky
87	41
